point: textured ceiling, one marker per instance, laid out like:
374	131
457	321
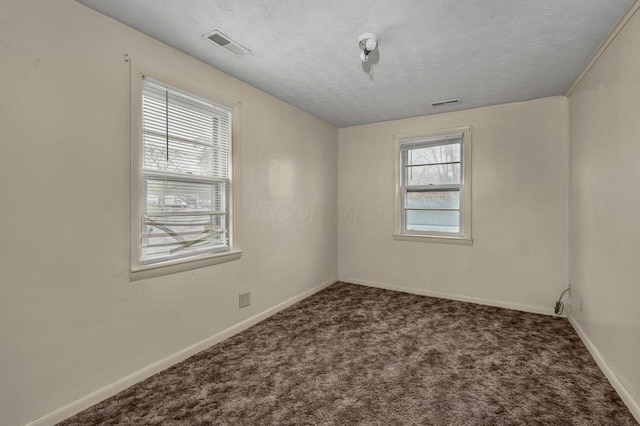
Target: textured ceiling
305	52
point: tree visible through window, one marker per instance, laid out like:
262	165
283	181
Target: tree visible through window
432	185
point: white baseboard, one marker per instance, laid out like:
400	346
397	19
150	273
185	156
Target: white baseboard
626	397
138	376
477	300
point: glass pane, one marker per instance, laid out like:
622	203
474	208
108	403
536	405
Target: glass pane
182	218
433	200
198	136
435	154
441	174
433	220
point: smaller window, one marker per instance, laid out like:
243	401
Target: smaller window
434	189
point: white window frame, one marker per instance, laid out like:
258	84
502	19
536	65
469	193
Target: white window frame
400	232
138	270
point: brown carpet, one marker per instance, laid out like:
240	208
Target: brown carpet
356	355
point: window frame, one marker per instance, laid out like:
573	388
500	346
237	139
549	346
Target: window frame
139	270
400	232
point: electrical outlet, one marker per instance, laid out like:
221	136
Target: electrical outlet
244	299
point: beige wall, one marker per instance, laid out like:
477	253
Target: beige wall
519	255
70	320
605	206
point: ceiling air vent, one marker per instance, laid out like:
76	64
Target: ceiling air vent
226	43
447	102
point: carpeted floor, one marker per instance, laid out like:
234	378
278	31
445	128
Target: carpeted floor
356	355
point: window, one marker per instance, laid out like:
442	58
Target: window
182	162
434	186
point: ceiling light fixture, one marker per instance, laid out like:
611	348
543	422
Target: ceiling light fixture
368	42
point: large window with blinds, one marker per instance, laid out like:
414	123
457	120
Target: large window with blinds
184	175
433	186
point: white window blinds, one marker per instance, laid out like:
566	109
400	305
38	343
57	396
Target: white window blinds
432	185
185	175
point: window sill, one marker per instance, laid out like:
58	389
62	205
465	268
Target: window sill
432	239
164	268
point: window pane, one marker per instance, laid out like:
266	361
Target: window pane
433	220
433	200
182	218
435	154
442	174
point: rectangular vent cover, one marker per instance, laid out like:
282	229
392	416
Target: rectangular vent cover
221	40
447	102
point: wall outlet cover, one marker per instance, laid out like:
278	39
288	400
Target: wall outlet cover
244	299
